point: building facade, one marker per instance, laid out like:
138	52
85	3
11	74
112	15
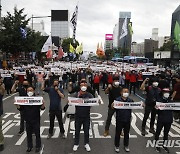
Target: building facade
60	23
149	47
175	53
125	42
115	35
108	42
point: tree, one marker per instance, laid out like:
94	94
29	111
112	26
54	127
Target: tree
11	38
109	54
166	46
67	42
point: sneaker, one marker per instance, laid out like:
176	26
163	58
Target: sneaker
20	133
75	147
63	135
158	149
106	133
49	136
126	148
166	149
151	130
87	147
143	132
117	149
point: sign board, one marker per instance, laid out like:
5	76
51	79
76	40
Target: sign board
168	106
28	100
83	102
128	105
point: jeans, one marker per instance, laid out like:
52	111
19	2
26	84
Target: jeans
79	121
109	117
119	126
33	127
58	115
39	85
1	134
148	110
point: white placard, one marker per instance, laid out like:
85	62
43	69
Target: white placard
83	102
20	73
28	100
128	105
147	73
6	75
168	106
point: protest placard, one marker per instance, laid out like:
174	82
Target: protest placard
168	106
83	102
28	100
128	105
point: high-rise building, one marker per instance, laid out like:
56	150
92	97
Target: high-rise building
115	35
125	42
175	54
60	23
108	42
155	34
137	49
149	47
39	27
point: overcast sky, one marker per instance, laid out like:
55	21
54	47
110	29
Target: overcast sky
98	17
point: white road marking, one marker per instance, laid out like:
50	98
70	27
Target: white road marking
9	96
22	138
42	150
6	124
66	126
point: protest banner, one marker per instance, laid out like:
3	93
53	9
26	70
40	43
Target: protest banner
168	106
128	105
83	102
28	100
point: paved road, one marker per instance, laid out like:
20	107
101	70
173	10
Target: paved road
17	144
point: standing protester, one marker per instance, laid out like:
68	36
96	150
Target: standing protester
8	82
55	108
122	79
139	79
114	92
123	120
127	79
176	98
82	117
22	90
96	82
32	118
104	79
133	80
40	80
2	91
153	95
165	119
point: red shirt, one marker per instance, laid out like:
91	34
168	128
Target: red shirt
96	79
133	78
140	77
110	79
127	77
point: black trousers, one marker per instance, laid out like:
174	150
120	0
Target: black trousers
119	126
21	121
109	117
96	87
79	121
160	125
133	84
33	127
8	89
148	110
127	83
58	115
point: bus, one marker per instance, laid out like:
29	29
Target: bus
136	60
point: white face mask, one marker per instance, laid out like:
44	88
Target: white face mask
125	95
116	83
155	84
30	94
166	95
83	88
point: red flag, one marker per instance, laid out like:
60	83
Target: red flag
49	54
60	53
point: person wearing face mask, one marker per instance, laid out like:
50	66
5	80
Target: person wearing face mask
113	91
123	120
32	118
82	117
165	119
152	95
22	90
55	108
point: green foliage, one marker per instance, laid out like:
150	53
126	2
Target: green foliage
109	54
11	40
66	43
166	46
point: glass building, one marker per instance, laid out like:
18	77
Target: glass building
175	34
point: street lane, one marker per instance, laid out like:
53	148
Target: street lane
99	144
